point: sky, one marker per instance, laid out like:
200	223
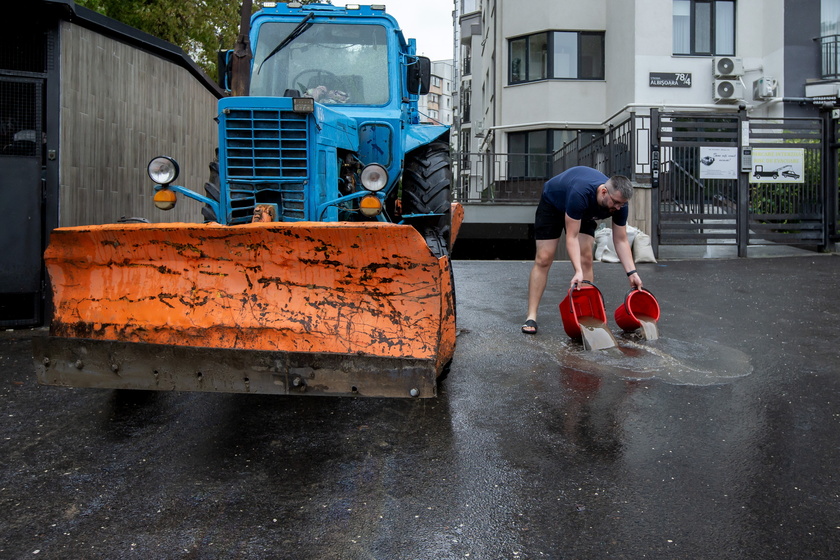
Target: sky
428	21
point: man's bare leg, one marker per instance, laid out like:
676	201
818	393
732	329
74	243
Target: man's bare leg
546	251
586	244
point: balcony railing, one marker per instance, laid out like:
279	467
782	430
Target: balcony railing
519	178
830	57
489	177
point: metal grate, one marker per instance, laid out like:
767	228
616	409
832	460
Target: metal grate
24	47
267	161
21	128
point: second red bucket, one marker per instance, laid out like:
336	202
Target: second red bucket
639	305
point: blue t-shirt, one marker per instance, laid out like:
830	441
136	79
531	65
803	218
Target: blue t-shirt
575	192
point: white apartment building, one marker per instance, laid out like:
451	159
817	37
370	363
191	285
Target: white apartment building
437	106
533	75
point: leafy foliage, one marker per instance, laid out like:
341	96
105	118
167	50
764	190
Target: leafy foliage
200	27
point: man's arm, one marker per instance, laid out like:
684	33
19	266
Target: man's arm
573	248
625	253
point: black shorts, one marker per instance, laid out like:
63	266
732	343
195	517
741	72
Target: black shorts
549	222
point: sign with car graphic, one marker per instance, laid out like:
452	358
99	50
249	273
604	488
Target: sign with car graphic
718	162
784	165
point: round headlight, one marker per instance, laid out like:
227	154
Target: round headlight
374	177
163	170
370	206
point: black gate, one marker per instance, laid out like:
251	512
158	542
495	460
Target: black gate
789	208
712	190
21	200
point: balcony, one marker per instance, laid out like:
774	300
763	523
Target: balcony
830	57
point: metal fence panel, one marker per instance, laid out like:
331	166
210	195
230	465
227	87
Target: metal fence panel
789	212
21	160
693	209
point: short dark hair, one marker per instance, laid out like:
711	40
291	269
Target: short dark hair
622	185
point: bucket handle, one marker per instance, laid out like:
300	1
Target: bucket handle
634	289
582	282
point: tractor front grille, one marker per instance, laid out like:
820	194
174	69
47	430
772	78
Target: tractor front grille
266	162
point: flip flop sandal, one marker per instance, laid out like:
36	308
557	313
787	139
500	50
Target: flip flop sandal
530	324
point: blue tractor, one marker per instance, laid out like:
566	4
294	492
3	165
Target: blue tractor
329	128
321	266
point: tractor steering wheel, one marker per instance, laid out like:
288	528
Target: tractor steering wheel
329	76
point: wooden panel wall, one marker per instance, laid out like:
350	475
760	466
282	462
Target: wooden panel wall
640	210
121	106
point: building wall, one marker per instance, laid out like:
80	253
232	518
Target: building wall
440	111
759	41
632	53
774	38
121	106
624	42
446	70
471	38
801	25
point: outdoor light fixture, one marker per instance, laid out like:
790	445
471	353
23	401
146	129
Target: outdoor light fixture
303	104
370	206
163	170
165	199
374	177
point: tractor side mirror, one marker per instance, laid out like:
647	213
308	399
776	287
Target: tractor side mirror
419	76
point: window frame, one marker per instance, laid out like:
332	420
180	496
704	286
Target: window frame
526	58
712	29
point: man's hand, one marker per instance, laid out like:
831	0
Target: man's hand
635	280
576	279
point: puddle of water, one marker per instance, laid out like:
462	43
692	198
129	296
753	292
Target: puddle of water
702	362
596	335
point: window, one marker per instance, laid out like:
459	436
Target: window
829	17
466	102
830	39
704	27
350	59
531	153
576	55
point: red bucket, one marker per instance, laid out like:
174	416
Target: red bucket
580	304
637	303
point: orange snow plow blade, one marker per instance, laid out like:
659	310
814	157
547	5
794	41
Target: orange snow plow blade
287	308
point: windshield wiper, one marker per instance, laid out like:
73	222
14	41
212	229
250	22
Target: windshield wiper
297	32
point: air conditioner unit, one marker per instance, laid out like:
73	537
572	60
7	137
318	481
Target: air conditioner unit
765	88
727	66
728	91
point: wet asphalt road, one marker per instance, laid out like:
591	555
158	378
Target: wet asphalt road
720	441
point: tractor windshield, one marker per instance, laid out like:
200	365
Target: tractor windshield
330	62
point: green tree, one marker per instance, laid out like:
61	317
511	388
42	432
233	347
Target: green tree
200	27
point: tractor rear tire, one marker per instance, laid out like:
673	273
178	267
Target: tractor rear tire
427	187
